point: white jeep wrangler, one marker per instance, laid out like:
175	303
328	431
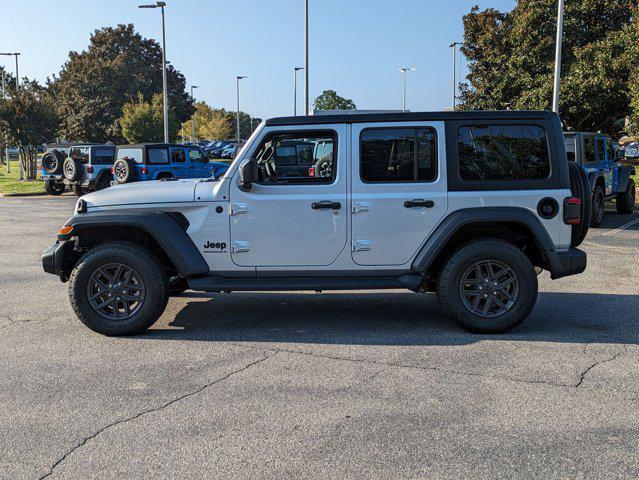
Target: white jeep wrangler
470	205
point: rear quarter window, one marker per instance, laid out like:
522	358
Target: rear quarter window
103	156
159	155
503	153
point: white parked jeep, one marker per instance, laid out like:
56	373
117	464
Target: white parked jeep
470	205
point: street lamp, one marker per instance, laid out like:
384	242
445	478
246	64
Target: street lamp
5	138
17	74
193	117
454	47
306	99
560	37
295	70
404	70
165	88
237	79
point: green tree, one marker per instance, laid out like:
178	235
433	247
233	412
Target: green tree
511	60
247	124
210	123
28	119
330	100
144	121
94	85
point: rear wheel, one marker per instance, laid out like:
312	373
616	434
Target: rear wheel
488	286
598	204
78	190
54	188
118	288
626	200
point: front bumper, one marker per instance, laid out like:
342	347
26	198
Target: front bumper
570	262
55	258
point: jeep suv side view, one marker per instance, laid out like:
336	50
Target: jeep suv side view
609	180
469	205
157	161
83	167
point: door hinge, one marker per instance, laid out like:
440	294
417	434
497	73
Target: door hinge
237	208
239	247
361	207
361	245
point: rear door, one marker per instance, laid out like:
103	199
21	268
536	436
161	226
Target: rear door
178	162
399	191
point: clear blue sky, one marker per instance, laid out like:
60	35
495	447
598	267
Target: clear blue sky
355	45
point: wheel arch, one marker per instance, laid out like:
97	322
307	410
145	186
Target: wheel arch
625	172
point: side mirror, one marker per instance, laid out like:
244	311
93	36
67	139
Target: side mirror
248	174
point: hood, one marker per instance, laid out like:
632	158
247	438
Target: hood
137	193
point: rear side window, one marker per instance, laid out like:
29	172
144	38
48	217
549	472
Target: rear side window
103	156
81	153
590	154
503	152
158	155
177	155
134	154
570	149
398	155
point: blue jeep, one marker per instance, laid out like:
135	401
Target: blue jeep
609	180
83	167
155	161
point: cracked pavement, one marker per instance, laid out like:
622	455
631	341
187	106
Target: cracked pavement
305	385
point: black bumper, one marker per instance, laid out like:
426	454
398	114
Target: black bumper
54	258
563	264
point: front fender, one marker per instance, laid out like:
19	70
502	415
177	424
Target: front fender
625	172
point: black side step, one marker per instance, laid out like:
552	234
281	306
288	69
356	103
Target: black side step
215	283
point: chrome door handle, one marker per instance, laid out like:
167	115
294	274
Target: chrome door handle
419	203
326	205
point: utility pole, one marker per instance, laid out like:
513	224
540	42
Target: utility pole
165	88
237	116
306	98
560	37
193	117
6	147
454	47
404	70
15	54
295	70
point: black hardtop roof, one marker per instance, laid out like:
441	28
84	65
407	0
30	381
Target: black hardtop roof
78	144
568	132
411	117
160	144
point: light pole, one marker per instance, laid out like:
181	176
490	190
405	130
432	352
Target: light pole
237	116
6	151
295	70
17	88
165	88
17	74
560	37
404	70
454	47
193	117
306	99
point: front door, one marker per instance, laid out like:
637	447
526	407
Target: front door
198	164
295	215
399	189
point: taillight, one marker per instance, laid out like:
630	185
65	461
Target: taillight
112	170
145	170
90	169
572	211
311	171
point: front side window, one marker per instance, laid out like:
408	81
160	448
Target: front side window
503	152
398	155
178	155
297	157
134	154
195	155
158	155
610	150
590	154
601	150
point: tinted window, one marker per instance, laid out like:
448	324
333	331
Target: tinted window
134	154
503	152
158	155
601	150
398	155
178	155
196	156
103	156
570	149
294	157
610	150
81	153
590	155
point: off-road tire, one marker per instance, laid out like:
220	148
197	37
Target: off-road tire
52	162
143	263
626	200
580	188
103	182
124	169
451	275
78	190
54	188
72	169
598	205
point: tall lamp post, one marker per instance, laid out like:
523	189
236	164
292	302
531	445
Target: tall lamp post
165	97
6	151
17	88
306	99
560	37
295	70
454	47
404	70
237	116
193	117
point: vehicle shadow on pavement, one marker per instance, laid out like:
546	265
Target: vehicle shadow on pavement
391	319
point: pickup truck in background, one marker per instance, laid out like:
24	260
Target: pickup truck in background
609	179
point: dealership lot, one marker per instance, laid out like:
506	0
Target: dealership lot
304	385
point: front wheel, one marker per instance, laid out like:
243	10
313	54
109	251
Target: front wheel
626	200
488	286
598	204
118	288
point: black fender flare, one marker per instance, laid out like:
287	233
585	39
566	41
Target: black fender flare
594	177
486	215
167	229
625	172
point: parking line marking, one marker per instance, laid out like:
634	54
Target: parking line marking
623	227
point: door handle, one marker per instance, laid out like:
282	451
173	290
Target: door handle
419	203
326	205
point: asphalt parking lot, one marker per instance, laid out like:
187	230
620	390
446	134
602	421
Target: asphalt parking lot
297	385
